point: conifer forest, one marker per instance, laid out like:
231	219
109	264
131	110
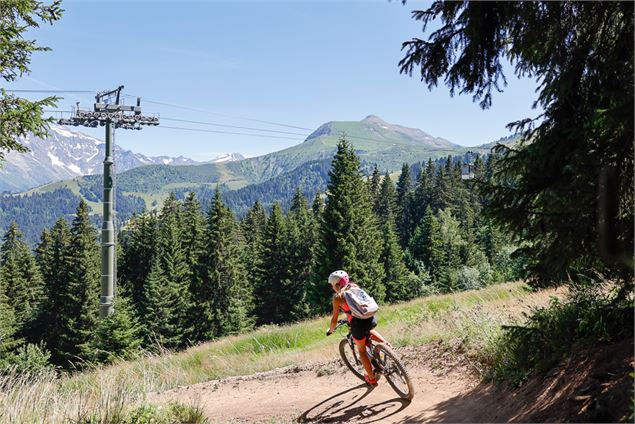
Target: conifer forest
186	276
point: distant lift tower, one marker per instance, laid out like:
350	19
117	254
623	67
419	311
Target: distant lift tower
109	112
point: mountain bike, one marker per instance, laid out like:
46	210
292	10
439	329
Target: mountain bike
383	359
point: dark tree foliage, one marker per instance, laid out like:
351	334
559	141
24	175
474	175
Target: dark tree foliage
193	228
38	211
222	299
163	309
309	178
21	117
395	272
275	282
118	337
69	262
545	188
80	293
350	237
403	215
53	257
138	246
8	330
374	183
166	292
253	227
386	203
301	237
20	279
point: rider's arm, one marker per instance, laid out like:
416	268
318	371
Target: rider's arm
336	313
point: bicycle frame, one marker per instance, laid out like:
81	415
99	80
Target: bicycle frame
351	342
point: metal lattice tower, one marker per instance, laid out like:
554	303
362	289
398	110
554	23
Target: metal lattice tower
109	112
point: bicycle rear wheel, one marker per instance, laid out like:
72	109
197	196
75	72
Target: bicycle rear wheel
351	359
394	371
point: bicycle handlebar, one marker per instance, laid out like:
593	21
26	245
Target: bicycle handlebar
340	323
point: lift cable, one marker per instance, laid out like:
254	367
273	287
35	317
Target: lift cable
225	132
232	126
50	91
220	114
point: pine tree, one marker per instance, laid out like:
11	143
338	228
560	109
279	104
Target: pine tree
119	336
350	238
318	206
138	248
422	195
420	246
42	254
396	273
193	223
21	278
443	195
253	227
162	309
21	117
80	293
374	186
170	268
301	243
54	259
8	330
272	302
223	299
386	204
447	245
404	214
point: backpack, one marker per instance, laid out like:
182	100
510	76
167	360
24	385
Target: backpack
362	305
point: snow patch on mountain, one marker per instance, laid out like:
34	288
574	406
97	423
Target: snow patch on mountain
227	157
61	131
55	161
67	153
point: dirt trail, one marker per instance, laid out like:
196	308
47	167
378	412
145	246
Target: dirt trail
329	393
592	385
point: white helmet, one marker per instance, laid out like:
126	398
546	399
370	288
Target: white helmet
338	279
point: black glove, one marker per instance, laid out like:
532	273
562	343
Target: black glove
328	332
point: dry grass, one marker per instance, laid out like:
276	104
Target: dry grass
108	394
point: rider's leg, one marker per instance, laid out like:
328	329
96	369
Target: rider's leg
361	347
374	334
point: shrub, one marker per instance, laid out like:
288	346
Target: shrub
31	359
591	314
173	413
468	278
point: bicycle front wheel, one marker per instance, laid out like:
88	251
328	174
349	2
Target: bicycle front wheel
351	359
394	371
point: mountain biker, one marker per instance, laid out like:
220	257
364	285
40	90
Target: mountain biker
360	328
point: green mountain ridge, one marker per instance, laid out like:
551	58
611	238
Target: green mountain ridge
375	141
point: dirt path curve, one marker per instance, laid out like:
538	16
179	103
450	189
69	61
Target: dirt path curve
329	393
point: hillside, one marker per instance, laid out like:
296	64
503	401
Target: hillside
300	346
375	141
293	373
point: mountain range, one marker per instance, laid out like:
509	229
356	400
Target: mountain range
268	178
68	153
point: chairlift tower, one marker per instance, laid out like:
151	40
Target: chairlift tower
108	111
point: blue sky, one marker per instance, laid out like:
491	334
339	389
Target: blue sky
300	63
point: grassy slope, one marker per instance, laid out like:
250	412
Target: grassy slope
473	317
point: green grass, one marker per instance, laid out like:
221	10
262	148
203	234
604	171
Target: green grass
72	185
